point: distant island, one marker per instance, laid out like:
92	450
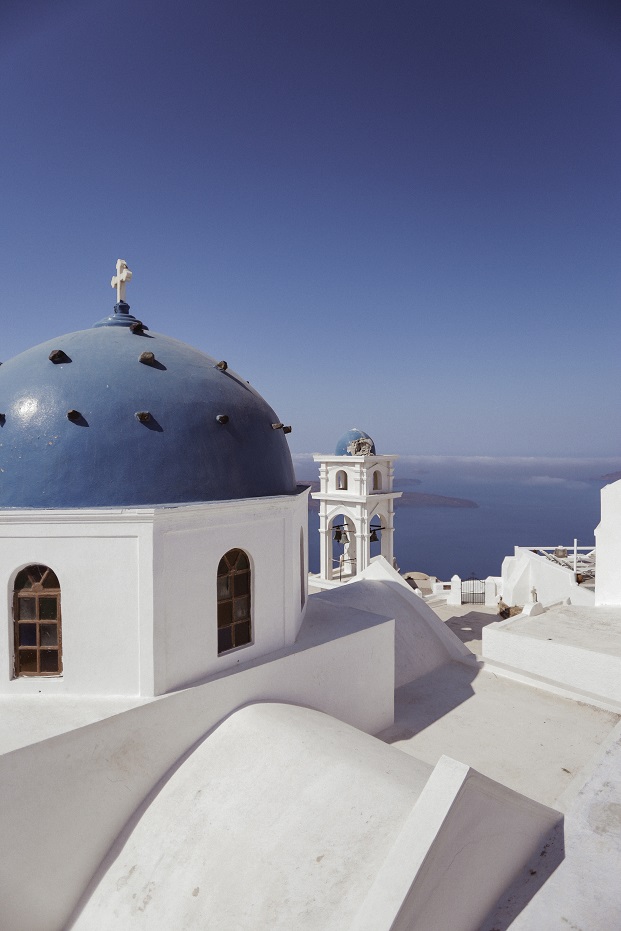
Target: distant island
419	499
409	499
611	477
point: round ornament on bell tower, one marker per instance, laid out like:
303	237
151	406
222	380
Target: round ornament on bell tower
356	507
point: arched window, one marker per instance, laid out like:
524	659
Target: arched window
36	620
234	622
341	480
377	481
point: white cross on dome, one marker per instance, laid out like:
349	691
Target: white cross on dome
119	281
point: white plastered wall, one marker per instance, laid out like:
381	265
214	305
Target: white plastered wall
189	542
526	571
138	589
466	840
103	562
608	548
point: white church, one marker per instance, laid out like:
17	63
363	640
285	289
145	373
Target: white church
193	735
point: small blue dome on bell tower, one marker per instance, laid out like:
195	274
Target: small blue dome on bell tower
347	444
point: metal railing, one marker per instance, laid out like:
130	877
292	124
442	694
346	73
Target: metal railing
578	559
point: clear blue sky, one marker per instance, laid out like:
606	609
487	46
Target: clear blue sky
402	215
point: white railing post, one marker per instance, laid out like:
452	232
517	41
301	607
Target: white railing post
491	592
454	597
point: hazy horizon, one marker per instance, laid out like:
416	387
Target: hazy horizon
529	469
521	501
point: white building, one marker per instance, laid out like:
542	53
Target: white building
141	480
185	737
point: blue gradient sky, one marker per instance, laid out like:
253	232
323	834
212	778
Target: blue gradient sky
403	216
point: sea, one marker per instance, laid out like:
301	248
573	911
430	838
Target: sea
514	501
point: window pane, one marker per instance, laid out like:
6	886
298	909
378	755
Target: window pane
27	635
49	660
233	587
27	661
30	576
224	587
225	639
242	633
22	580
241	608
27	609
242	560
48	609
225	613
50	580
37	599
48	634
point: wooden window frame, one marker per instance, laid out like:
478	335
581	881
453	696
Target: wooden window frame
36	590
234	601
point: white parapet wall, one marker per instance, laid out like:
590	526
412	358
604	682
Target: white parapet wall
466	840
276	821
413	849
98	775
572	646
422	641
608	537
552	582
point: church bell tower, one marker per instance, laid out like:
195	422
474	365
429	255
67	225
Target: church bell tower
356	508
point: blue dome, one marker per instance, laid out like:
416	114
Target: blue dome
350	437
117	416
